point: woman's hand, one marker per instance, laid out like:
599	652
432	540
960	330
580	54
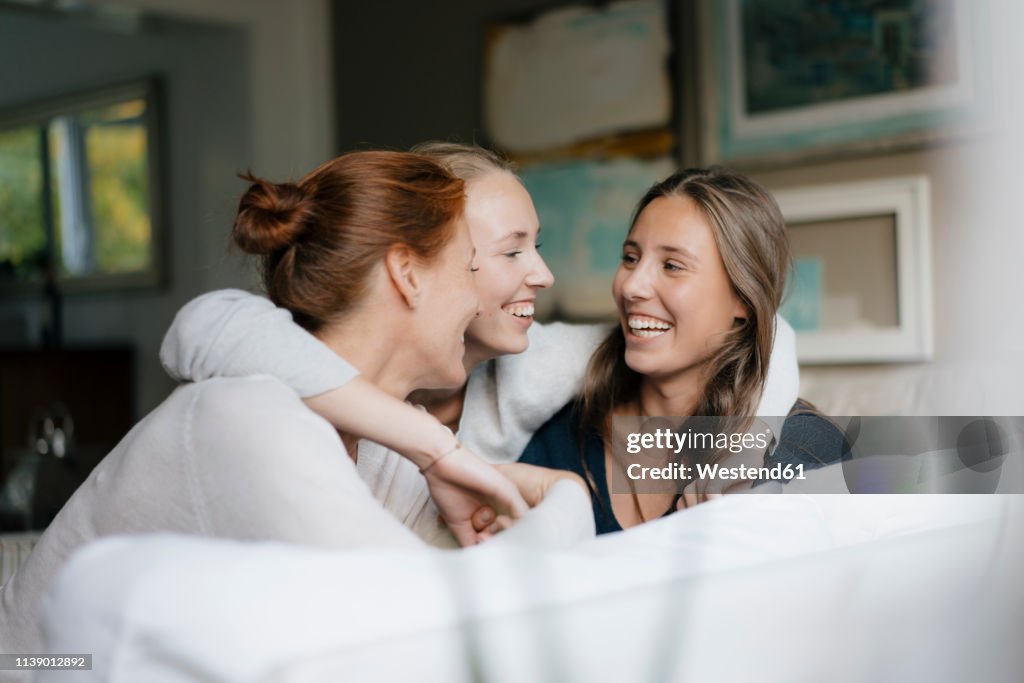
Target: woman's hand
466	488
533	483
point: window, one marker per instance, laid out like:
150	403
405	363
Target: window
78	191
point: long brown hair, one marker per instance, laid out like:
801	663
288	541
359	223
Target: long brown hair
751	237
321	237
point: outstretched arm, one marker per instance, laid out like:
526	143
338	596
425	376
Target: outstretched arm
231	333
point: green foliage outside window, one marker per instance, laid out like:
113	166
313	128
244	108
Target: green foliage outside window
99	194
22	231
117	171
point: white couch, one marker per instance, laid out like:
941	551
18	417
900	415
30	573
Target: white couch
14	548
766	588
759	587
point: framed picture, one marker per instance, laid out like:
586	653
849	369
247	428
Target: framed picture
860	288
580	81
789	82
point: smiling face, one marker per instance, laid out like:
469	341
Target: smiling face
504	226
675	300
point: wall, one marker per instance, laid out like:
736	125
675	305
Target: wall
288	72
258	91
207	124
250	87
976	278
406	72
401	83
977	240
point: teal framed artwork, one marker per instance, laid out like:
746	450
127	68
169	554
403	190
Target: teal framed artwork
793	81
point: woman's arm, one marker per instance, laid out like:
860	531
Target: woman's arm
235	333
231	333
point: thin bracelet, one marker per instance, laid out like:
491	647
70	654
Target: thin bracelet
438	459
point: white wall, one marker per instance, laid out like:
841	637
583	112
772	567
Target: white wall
978	248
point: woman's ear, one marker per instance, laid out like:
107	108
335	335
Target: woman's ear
740	311
401	265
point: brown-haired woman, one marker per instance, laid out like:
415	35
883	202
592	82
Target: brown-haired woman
702	275
371	253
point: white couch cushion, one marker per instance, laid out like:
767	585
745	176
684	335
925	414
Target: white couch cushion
768	587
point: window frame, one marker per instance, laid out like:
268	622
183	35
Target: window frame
41	114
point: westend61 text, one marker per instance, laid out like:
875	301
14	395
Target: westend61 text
704	471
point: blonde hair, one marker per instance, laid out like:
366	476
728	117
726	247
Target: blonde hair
466	162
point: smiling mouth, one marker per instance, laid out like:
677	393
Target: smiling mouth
519	310
646	327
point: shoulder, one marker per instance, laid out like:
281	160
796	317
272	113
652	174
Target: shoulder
250	415
555	350
566	420
810	437
235	397
557	439
524	390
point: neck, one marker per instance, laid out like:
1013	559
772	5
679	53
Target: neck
475	356
678	395
384	362
444	404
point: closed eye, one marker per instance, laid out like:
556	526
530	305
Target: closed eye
513	254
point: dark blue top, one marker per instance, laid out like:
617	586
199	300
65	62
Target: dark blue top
807	439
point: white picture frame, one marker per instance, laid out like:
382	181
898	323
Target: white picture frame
907	201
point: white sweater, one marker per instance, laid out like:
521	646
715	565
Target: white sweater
239	458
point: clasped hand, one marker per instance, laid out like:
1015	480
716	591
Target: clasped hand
477	499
